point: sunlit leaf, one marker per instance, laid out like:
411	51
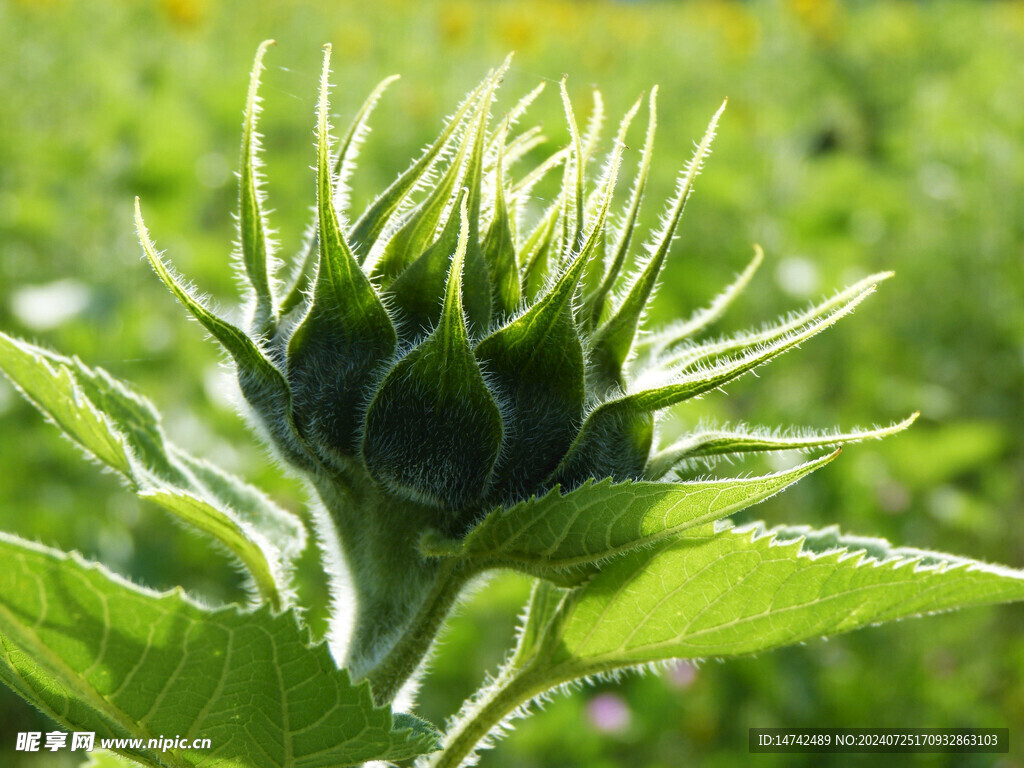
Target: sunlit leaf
123	431
600	520
724	591
98	654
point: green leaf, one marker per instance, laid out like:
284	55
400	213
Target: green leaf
251	221
542	609
260	380
433	431
706	444
345	335
614	340
368	228
53	389
615	440
244	542
724	591
122	430
98	654
600	520
717	591
344	167
101	758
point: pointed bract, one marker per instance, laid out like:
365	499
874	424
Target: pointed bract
344	167
723	442
595	122
596	303
521	146
679	355
521	190
260	380
368	228
536	252
498	248
251	223
677	333
514	114
616	438
346	333
477	289
418	294
433	431
542	411
614	340
601	199
418	230
572	219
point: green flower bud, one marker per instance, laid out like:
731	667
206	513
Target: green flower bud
439	359
434	358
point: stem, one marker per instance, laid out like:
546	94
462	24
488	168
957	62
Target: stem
401	598
527	673
512	688
402	659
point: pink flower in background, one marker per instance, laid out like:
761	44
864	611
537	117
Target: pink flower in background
609	713
680	675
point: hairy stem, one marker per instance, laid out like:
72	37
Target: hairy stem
401	598
408	652
526	674
512	688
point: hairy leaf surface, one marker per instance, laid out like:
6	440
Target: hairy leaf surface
98	654
603	519
723	591
122	430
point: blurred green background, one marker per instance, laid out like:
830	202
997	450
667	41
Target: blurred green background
858	137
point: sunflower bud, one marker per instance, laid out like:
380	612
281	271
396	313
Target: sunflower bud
438	359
